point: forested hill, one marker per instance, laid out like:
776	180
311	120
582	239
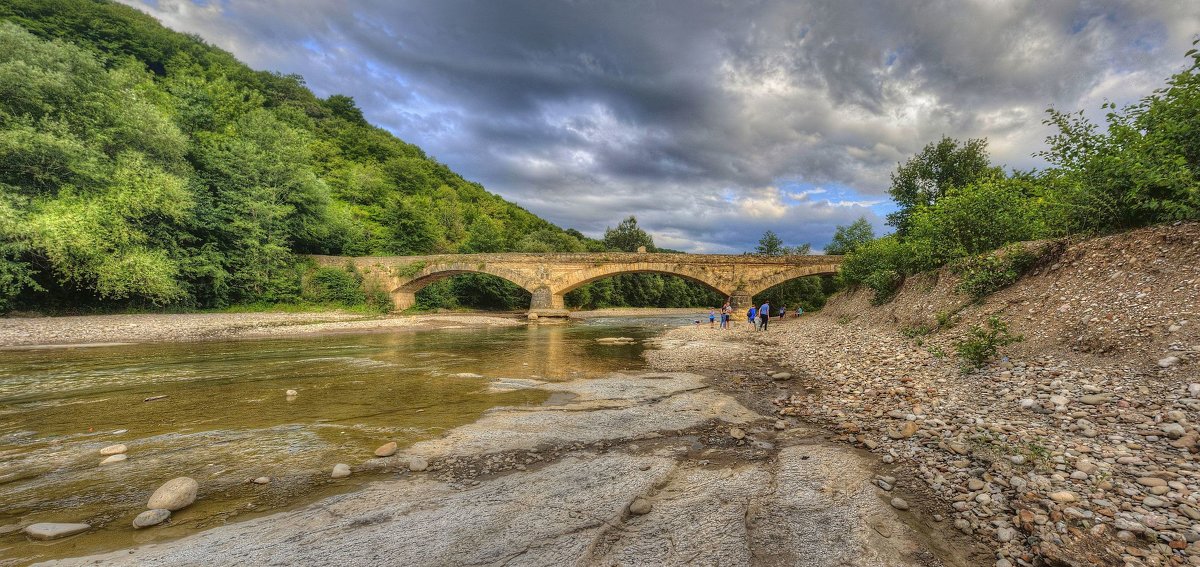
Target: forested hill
141	166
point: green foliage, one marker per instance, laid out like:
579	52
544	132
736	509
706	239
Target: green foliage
809	293
847	239
140	166
335	285
937	169
983	342
411	269
771	245
1145	166
1142	167
880	265
985	274
627	237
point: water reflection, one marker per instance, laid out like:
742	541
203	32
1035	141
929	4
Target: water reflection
225	418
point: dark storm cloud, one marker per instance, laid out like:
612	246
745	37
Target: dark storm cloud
699	116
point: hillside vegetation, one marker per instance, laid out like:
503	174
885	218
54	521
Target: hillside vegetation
140	167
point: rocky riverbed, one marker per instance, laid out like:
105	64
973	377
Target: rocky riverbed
655	469
1050	459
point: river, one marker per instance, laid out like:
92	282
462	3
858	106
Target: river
218	411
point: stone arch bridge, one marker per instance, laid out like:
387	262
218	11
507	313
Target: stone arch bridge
549	276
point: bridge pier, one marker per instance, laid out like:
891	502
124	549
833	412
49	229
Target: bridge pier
403	300
740	300
547	304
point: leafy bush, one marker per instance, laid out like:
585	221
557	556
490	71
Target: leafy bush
879	265
335	285
985	274
983	342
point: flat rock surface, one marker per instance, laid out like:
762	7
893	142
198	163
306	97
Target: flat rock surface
574	512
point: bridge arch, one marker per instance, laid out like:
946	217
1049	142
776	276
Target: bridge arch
597	273
404	288
773	280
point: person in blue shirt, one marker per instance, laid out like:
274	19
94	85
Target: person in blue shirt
751	314
764	314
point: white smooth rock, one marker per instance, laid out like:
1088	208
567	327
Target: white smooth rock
340	470
174	494
114	449
114	459
52	530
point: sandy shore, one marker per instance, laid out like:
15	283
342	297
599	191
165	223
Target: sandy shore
140	328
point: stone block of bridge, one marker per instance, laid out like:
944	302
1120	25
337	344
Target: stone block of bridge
548	277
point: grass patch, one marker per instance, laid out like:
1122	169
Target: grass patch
986	274
983	343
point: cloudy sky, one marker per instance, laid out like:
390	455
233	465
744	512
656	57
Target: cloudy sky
710	120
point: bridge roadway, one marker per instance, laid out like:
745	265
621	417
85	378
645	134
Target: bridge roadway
549	276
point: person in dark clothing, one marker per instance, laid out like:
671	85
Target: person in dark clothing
764	315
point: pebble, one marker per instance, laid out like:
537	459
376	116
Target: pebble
340	470
1005	535
386	450
640	506
291	393
151	518
899	503
262	480
174	494
52	530
737	433
417	464
1063	496
114	450
114	459
1168	361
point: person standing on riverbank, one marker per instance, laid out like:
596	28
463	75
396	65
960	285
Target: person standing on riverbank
764	314
726	311
712	317
751	314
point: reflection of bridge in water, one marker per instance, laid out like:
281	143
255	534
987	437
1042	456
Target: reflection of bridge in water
549	276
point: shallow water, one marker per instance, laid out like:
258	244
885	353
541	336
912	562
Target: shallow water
225	417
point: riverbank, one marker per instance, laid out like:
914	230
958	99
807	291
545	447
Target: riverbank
107	330
631	468
1045	458
141	328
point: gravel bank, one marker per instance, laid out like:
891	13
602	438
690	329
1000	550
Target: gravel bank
108	329
1046	459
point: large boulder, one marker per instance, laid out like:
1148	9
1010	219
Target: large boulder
174	494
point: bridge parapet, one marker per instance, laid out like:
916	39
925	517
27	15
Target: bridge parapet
549	276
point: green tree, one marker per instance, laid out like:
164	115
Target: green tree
627	237
770	245
486	236
848	238
937	169
412	228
